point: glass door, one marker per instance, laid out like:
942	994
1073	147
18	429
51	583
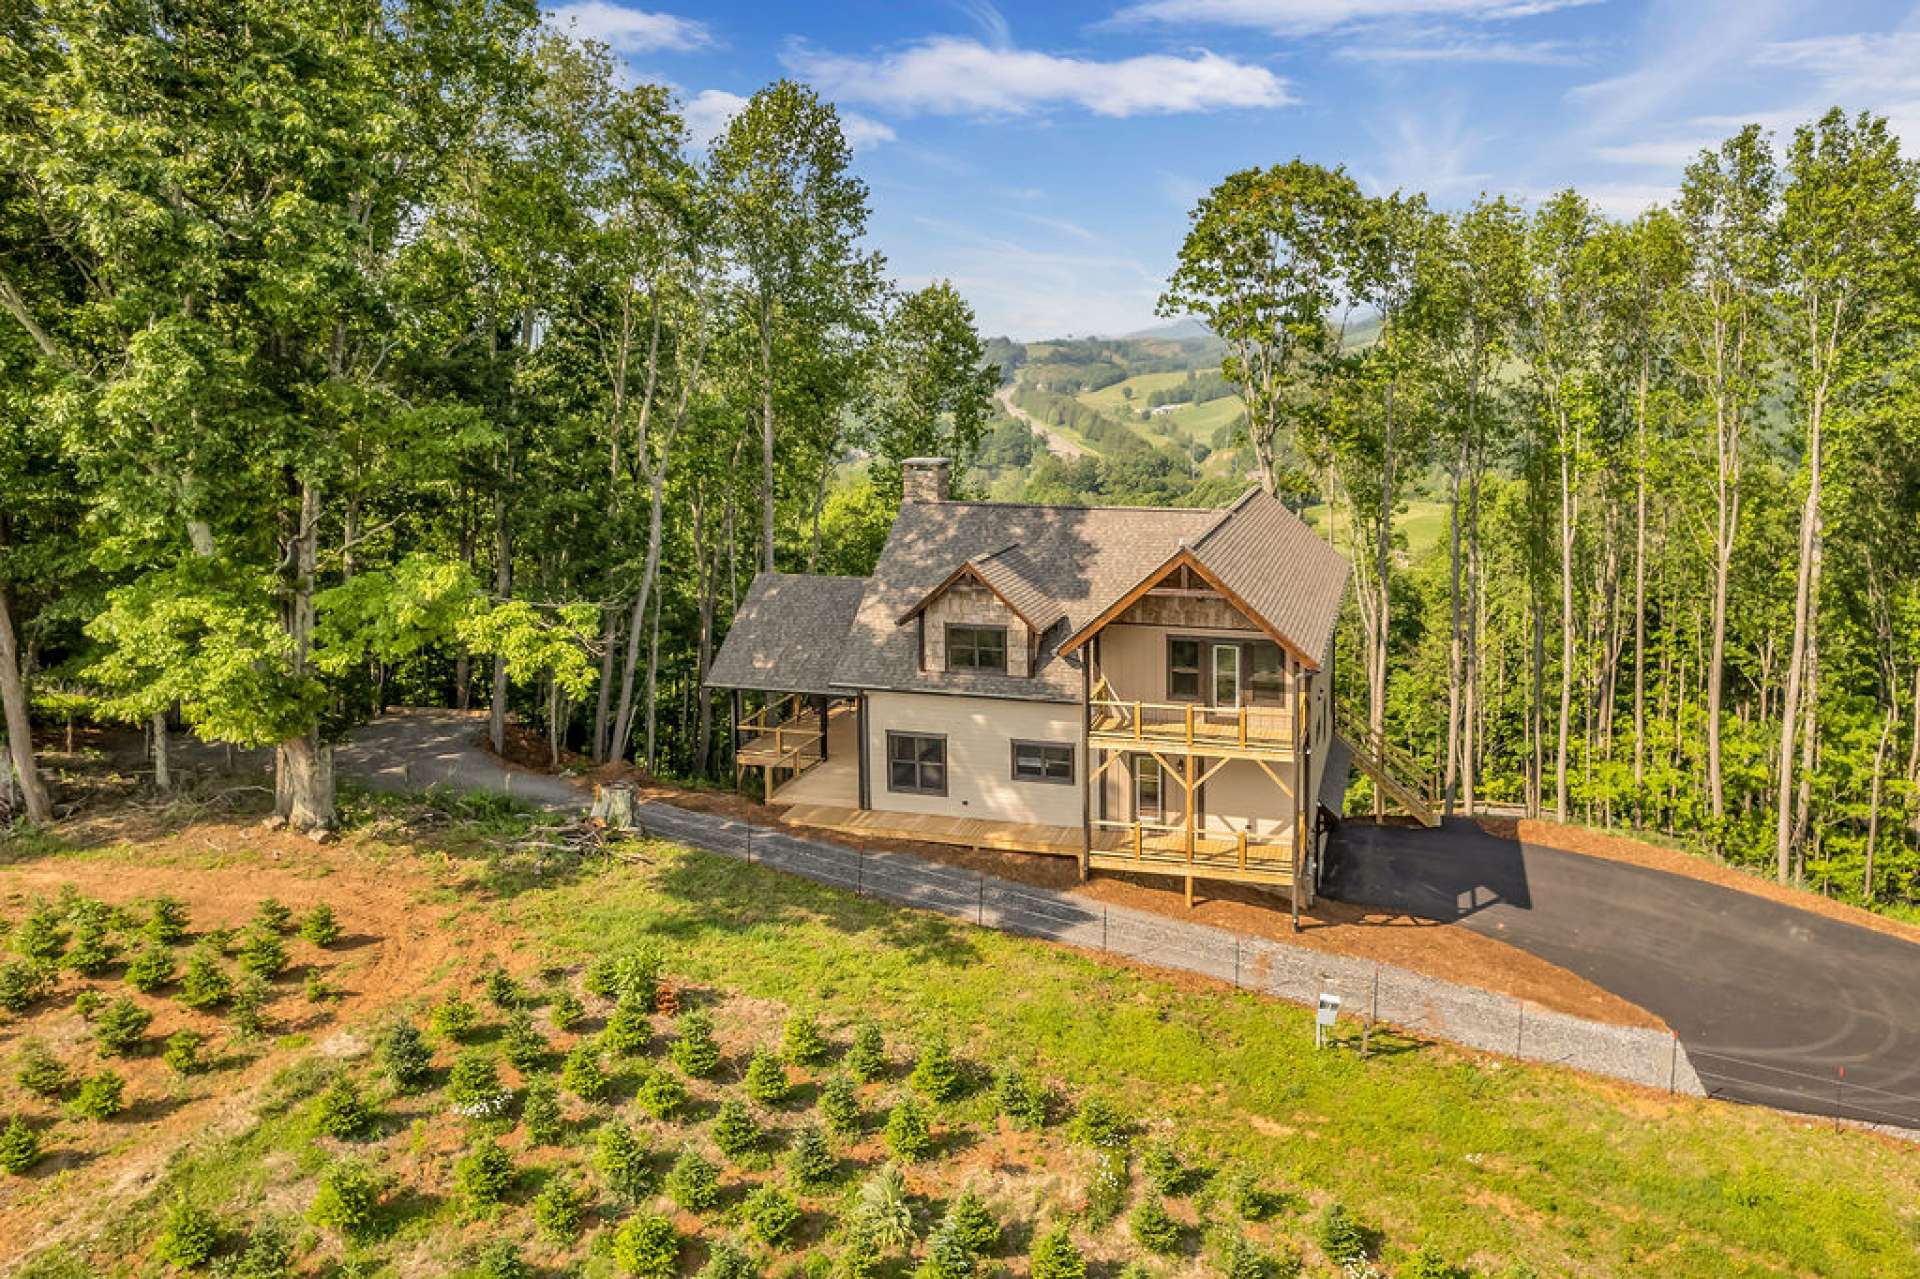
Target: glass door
1226	675
1146	789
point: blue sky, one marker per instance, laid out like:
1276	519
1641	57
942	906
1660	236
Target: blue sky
1044	157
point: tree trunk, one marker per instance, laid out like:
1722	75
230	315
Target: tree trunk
1456	644
1640	611
502	590
623	722
1800	655
303	789
1569	520
162	765
19	722
1873	803
766	434
603	701
653	685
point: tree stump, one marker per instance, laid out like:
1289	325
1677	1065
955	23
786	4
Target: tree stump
613	805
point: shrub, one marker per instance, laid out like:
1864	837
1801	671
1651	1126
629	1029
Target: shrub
936	1075
348	1198
811	1161
767	1080
840	1106
540	1113
120	1026
40	1072
735	1130
248	1012
87	1005
647	1245
205	983
318	989
1427	1262
100	1096
405	1057
1097	1123
272	917
319	926
268	1255
182	1052
560	1210
1249	1199
166	921
693	1183
22	982
1165	1170
629	1027
500	1260
503	992
867	1059
728	1262
624	1161
524	1046
633	975
341	1112
188	1237
970	1216
909	1136
40	936
1241	1259
1018	1099
150	969
1107	1191
948	1256
263	953
1343	1239
564	1009
801	1041
662	1095
695	1051
581	1073
1055	1256
881	1218
19	1146
473	1086
771	1215
93	947
484	1175
452	1019
1153	1229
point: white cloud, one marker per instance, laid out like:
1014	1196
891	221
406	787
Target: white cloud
1540	53
627	30
1431	151
951	76
1674	154
1310	17
708	111
1027	291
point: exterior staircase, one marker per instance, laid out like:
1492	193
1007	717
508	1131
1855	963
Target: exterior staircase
1401	779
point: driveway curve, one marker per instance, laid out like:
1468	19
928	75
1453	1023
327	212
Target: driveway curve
1774	1005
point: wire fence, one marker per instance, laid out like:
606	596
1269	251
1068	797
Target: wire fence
1368	992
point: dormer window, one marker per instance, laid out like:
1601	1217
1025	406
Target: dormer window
977	648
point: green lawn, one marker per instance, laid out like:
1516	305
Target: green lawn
1506	1169
1423	524
1490	1161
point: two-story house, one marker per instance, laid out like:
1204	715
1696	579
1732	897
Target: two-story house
1145	689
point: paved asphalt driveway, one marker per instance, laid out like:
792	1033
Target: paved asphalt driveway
1771	1002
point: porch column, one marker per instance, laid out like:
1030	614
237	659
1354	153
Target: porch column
1086	763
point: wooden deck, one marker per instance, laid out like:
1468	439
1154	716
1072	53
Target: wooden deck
928	828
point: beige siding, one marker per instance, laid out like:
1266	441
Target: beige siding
1133	657
967	602
1238	797
980	733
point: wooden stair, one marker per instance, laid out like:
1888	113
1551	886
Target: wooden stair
1400	777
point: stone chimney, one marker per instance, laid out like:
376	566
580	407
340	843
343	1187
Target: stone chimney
923	479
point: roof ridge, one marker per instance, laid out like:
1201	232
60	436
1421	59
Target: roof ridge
1074	506
1225	513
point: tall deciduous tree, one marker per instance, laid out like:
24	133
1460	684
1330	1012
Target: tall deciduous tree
1265	265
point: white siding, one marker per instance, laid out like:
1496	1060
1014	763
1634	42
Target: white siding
980	733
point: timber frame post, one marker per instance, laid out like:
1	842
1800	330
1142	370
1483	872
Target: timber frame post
1086	761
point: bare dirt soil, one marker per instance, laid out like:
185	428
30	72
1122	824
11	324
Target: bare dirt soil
394	947
1621	848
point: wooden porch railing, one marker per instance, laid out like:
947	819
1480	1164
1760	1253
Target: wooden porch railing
1198	847
1193	724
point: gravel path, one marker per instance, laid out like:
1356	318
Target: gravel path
424	747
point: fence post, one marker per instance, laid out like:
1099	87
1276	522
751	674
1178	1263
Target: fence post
1373	1014
1839	1082
1103	928
749	843
1236	961
860	881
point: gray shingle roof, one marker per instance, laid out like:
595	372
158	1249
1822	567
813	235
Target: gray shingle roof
788	634
1280	569
1050	563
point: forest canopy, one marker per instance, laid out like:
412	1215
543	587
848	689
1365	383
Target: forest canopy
388	351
